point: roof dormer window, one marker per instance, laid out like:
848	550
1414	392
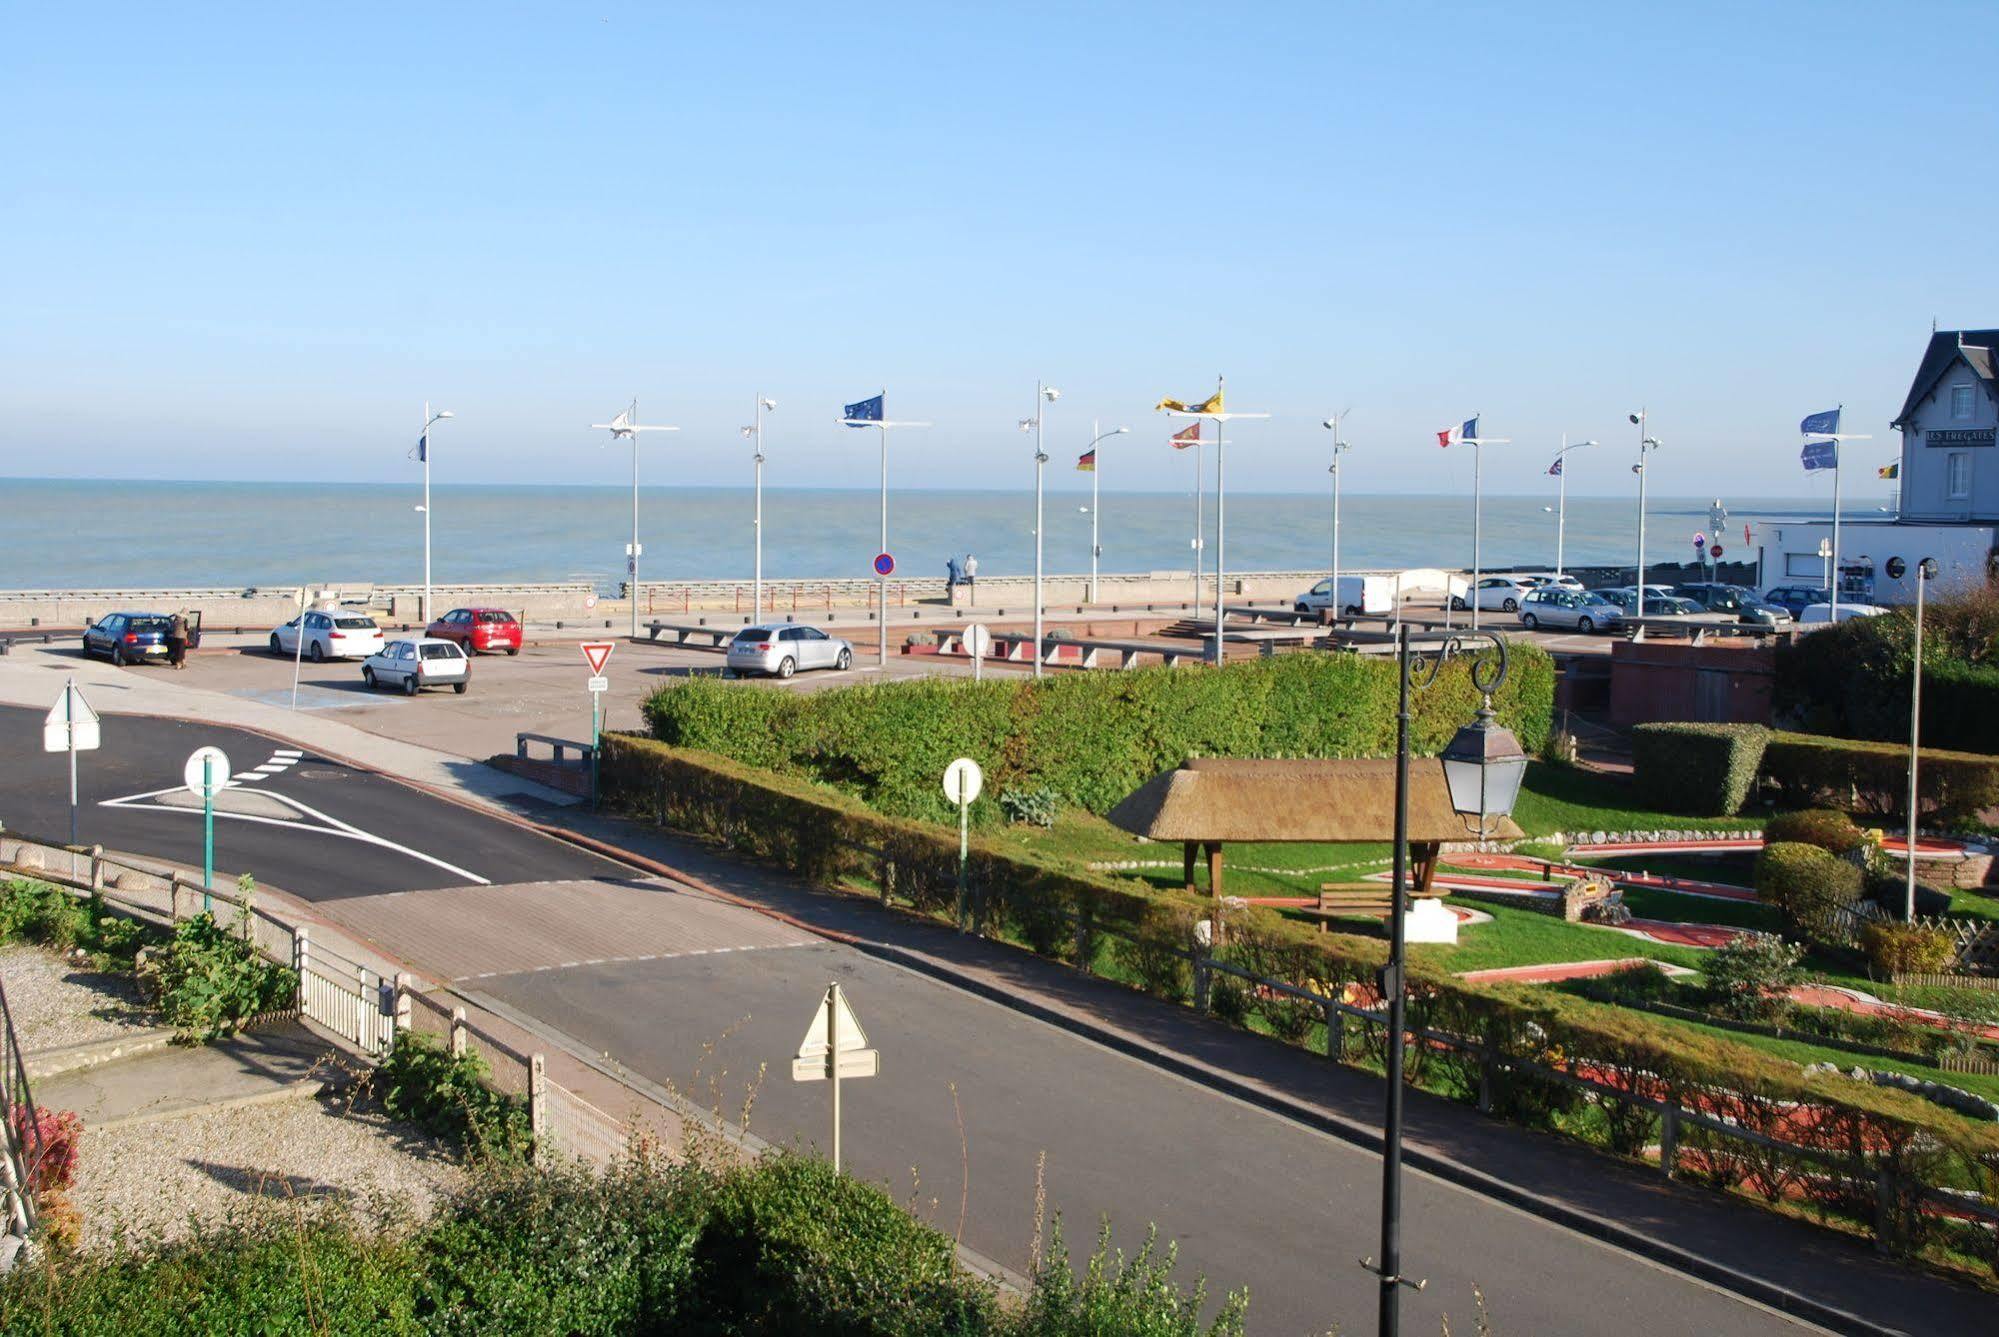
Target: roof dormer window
1960	402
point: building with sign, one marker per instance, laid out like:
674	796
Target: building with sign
1949	479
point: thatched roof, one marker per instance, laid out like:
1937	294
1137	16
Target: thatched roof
1233	798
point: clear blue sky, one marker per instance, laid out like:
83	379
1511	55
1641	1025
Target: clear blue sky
249	242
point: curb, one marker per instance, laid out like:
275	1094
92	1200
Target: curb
302	1089
64	1059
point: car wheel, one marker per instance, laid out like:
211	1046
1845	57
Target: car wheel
786	667
318	653
1353	610
410	685
513	650
845	661
459	687
1511	606
1457	604
1585	625
117	655
1529	621
276	649
368	677
1300	608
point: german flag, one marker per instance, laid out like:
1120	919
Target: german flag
1087	462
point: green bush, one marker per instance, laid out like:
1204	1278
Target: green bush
1038	806
1809	887
1704	770
208	981
1091	738
1120	1297
42	914
1749	976
1853	680
1833	832
1873	778
444	1094
1906	949
1890	890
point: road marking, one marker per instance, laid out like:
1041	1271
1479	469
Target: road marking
630	960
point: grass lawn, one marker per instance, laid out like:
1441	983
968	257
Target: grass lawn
1737	870
1803	1051
1648	903
1524	938
1569	799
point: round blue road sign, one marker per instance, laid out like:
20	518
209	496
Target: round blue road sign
884	564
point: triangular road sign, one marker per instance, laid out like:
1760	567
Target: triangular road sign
598	653
70	723
852	1037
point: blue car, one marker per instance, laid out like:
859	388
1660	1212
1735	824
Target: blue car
128	638
1796	598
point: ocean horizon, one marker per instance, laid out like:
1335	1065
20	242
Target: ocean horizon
115	533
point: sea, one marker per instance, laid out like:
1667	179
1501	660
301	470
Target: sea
69	534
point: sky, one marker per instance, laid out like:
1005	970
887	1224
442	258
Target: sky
251	241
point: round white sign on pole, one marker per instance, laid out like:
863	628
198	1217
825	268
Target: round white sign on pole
217	772
978	640
963	780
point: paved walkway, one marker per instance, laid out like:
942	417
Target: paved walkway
271	1063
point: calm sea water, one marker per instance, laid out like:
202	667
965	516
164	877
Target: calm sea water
90	534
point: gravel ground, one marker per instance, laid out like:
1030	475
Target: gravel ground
159	1178
54	1003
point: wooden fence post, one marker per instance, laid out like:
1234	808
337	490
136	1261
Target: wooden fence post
1488	1061
1669	1140
400	1018
96	868
1884	1210
301	959
458	1032
538	1101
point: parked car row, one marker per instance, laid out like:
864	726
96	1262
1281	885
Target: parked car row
336	633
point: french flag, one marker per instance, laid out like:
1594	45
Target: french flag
1464	431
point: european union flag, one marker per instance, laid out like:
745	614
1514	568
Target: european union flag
868	410
1820	454
423	447
1820	424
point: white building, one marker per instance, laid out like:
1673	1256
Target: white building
1949	478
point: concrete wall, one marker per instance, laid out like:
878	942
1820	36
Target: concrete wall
268	606
1656	681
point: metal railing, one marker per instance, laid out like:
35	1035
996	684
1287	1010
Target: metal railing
24	1150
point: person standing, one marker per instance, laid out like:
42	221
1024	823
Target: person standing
177	641
971	569
952	576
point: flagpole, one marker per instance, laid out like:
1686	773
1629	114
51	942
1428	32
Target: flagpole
1200	520
1477	505
1836	461
425	440
881	627
1561	506
757	520
635	521
1096	466
1221	543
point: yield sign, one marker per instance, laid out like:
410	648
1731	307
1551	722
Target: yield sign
598	653
70	725
834	1044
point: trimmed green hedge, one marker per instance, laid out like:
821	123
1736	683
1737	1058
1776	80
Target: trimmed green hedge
832	838
1091	737
1873	778
1704	770
1831	831
1808	886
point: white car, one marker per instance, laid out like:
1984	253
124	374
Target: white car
1496	593
423	661
1358	594
329	634
1821	614
1564	581
783	650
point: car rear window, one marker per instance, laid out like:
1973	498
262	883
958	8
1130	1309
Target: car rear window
356	623
441	652
753	634
496	617
158	624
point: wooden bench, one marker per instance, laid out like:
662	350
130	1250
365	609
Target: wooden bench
1361	900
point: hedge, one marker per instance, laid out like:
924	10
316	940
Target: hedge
1852	680
1832	831
830	837
1873	778
1091	737
1809	887
1704	770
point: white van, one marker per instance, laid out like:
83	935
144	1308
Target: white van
1358	594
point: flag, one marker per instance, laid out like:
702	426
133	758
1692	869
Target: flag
1555	469
1820	424
1188	436
867	411
1820	454
1212	404
423	446
1087	462
1889	470
1467	431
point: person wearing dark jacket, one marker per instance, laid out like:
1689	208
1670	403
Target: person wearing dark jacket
952	575
177	641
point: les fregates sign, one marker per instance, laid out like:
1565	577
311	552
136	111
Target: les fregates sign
1958	438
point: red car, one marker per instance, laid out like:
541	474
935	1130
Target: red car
479	630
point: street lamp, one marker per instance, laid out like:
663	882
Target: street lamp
1483	768
1340	447
1926	571
1562	508
1044	395
1096	468
1645	443
626	425
755	431
422	453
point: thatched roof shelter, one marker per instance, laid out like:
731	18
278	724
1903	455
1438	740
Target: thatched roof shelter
1214	799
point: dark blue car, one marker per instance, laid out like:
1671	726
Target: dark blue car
1796	598
128	638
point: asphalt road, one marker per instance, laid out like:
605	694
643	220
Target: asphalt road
316	828
1249	1199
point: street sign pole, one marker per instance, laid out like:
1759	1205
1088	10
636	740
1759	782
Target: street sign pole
596	736
962	782
833	1045
69	728
208	831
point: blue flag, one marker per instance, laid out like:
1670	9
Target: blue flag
423	447
1555	469
868	410
1820	454
1820	424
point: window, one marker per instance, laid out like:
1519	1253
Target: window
1957	475
1960	401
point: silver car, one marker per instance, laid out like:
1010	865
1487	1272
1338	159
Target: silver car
1553	606
784	650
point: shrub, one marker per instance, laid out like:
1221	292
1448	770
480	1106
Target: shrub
1890	891
58	1134
1808	886
43	914
445	1094
1036	807
207	981
1874	777
1749	976
1702	769
1833	832
1117	1296
1853	680
1906	949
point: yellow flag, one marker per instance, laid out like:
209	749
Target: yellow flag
1212	404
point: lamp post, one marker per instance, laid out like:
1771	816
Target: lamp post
626	425
755	432
1483	767
1096	468
1044	395
1340	447
1926	571
422	453
1562	505
1645	443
